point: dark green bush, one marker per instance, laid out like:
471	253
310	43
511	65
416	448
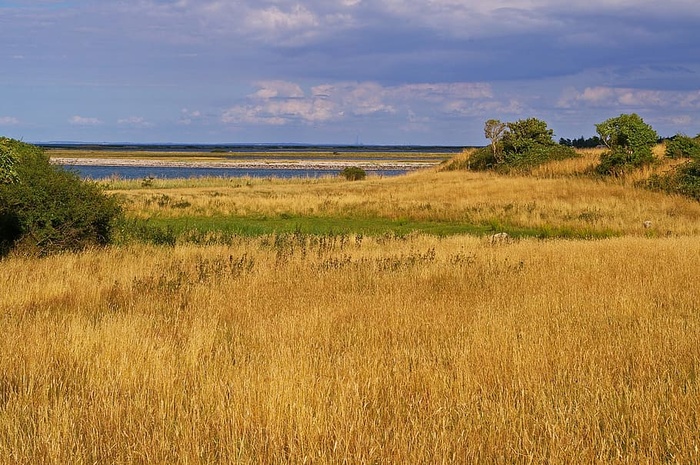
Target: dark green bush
8	174
538	154
682	146
482	159
519	145
629	140
353	173
683	180
48	209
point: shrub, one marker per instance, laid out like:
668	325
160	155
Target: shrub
482	159
683	180
682	146
48	209
8	174
353	173
629	141
522	144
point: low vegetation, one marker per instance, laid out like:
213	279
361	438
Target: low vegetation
327	321
684	178
330	349
353	173
682	146
45	209
629	141
515	146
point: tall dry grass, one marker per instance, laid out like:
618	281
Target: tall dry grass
293	349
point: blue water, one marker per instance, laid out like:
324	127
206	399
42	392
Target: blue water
141	172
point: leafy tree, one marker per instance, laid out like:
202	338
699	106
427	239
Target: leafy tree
682	146
524	134
518	145
629	141
48	209
7	162
494	130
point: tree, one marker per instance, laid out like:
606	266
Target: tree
682	146
7	163
493	130
581	142
629	141
517	145
524	134
48	209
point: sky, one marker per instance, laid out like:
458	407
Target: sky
392	72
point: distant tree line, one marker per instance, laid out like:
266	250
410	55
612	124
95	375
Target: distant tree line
581	142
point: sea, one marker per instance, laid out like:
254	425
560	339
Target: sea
257	151
96	172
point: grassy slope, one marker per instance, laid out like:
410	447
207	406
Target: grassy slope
558	200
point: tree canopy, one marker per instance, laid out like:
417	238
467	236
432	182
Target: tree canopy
629	141
7	162
520	144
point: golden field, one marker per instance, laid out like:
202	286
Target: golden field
292	348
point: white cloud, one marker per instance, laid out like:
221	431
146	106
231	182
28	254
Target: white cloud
679	120
272	20
484	108
187	116
282	111
8	121
281	102
83	121
135	121
616	97
273	89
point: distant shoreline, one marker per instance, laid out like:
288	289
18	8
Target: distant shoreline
247	164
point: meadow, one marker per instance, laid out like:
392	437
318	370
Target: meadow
325	333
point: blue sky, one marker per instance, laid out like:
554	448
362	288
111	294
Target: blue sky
342	71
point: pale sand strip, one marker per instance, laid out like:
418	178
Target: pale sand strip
247	164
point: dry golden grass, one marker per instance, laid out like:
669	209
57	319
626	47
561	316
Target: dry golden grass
563	194
340	350
352	349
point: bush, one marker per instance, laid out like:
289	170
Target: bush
629	140
8	175
353	173
48	209
684	180
522	144
682	146
482	159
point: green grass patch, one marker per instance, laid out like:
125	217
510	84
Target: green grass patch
164	230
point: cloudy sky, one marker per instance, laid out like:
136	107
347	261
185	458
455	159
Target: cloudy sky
342	71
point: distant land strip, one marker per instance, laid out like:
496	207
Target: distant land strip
247	164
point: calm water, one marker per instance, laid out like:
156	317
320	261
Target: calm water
141	172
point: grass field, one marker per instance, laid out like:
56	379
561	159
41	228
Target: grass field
558	200
352	345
